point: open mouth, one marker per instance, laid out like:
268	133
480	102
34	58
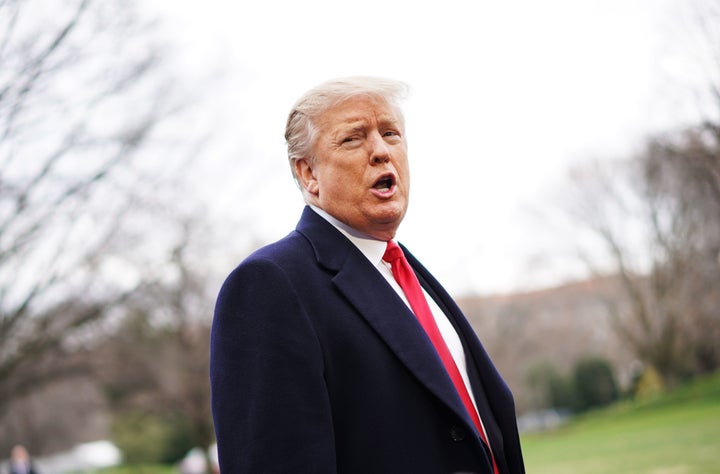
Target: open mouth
384	184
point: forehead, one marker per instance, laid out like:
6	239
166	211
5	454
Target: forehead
358	110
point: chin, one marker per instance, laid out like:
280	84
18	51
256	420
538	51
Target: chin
388	221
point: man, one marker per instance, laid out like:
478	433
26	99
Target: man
318	363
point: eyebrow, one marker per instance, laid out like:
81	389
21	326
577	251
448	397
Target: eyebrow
390	121
349	127
354	124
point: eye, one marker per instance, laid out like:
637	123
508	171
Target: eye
351	141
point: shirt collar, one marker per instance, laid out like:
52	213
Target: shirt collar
373	249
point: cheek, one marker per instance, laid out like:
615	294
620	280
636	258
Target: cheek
346	176
334	184
401	162
404	172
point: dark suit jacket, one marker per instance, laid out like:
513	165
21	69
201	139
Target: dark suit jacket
317	366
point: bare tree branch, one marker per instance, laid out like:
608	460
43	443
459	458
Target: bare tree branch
34	68
76	117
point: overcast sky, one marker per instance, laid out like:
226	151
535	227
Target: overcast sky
505	97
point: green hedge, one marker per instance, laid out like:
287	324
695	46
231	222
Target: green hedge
150	439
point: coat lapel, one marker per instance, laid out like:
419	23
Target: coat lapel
368	292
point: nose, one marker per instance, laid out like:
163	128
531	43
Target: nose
379	153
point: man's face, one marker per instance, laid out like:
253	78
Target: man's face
360	173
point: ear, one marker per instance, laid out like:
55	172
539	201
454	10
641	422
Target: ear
306	176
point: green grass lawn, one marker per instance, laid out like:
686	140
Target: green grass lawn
675	434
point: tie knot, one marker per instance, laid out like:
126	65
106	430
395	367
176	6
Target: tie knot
393	252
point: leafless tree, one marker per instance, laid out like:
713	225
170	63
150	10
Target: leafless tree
656	220
605	202
83	92
156	363
681	172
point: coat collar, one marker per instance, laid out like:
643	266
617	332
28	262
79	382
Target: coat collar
361	283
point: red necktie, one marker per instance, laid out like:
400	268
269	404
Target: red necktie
405	276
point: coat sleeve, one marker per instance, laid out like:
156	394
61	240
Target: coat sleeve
269	399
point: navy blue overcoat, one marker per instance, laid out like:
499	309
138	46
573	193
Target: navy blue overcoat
317	366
